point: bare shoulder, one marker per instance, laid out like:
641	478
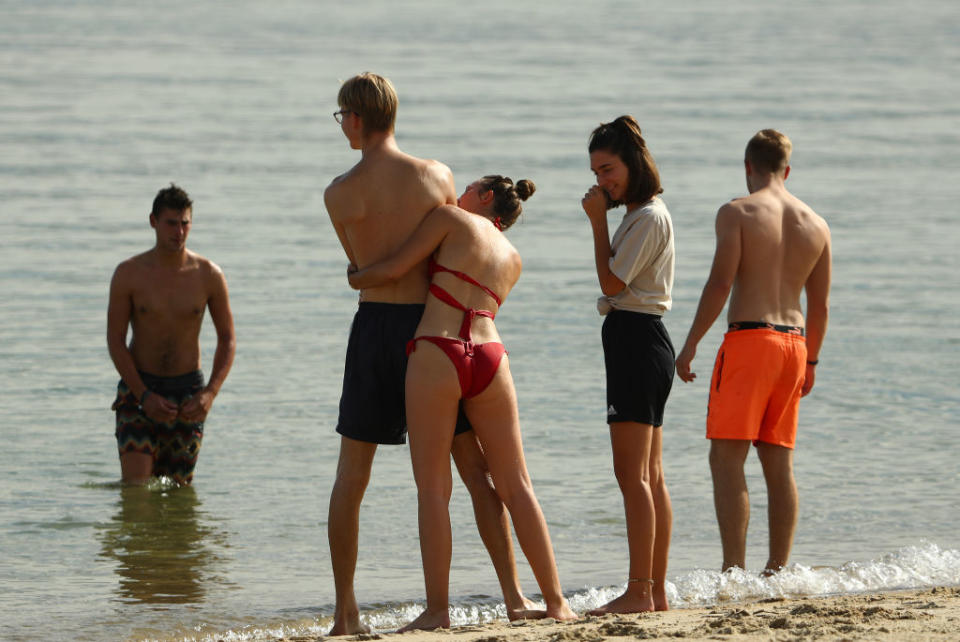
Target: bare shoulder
811	219
207	269
337	192
128	269
343	196
434	172
732	212
436	168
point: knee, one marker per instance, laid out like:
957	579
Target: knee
434	491
656	476
723	463
349	485
631	477
513	493
476	478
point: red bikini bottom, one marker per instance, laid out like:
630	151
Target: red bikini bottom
476	363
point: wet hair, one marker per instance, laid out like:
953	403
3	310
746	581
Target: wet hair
507	197
769	151
371	97
622	137
171	198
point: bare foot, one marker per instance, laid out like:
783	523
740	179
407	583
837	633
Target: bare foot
562	612
428	621
526	610
660	600
348	625
629	602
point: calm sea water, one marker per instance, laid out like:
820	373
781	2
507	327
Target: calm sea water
102	103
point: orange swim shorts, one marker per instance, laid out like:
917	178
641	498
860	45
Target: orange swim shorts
755	389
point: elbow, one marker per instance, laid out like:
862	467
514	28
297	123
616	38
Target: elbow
611	285
819	311
610	289
227	341
718	288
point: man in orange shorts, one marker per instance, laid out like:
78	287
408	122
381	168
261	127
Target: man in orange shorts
770	247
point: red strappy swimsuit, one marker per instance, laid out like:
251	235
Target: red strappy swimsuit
476	363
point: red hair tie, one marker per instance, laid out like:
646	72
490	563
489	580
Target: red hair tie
498	223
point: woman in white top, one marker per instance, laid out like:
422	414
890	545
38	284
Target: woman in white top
635	270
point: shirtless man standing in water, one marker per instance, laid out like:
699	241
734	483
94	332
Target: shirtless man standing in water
770	247
163	294
374	207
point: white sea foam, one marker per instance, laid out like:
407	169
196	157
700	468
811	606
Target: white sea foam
925	565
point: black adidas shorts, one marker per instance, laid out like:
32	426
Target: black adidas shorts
639	359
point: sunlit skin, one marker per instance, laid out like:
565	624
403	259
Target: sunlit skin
374	207
637	448
613	176
161	295
771	248
470	243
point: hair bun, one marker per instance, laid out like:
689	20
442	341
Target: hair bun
525	189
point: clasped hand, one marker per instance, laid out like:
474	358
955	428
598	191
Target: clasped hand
595	203
192	410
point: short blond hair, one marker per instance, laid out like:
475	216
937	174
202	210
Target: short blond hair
769	151
371	97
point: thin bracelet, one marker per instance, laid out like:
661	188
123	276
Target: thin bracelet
813	363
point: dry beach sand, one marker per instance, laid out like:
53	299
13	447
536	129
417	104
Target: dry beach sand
927	614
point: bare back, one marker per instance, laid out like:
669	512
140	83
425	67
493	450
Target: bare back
378	204
471	245
781	242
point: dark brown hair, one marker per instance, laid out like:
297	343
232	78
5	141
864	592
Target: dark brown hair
769	151
622	137
507	197
171	198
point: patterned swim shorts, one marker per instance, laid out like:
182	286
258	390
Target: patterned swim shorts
173	446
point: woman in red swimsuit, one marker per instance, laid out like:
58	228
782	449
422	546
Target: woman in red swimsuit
457	355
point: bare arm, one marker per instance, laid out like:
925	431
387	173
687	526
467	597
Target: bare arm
422	243
196	408
337	209
118	320
726	262
818	310
595	205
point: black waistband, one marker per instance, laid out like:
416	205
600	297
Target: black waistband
377	306
758	325
165	385
637	315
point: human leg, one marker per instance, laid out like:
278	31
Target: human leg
631	443
343	524
136	468
664	516
136	438
492	520
432	400
496	421
730	498
777	463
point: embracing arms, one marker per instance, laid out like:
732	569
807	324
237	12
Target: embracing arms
422	243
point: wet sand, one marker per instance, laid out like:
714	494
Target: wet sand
927	614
